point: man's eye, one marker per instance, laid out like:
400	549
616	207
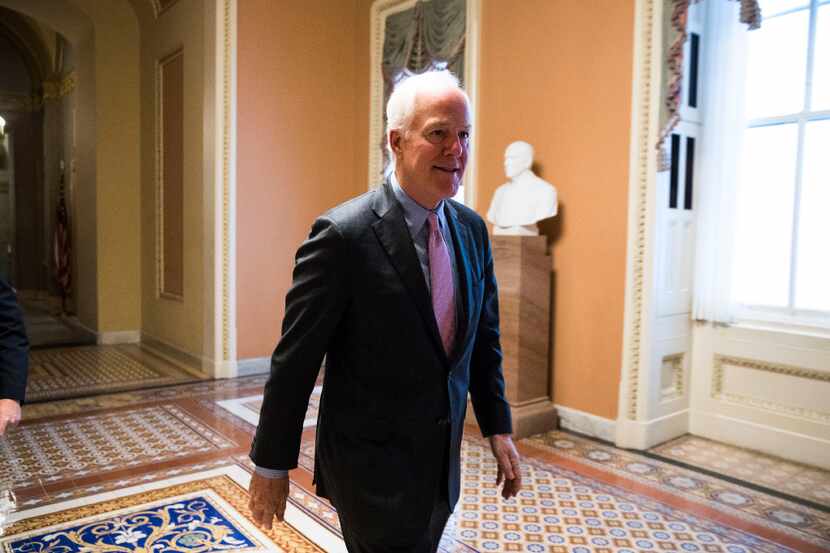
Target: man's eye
437	134
464	136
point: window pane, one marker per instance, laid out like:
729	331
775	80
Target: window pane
777	66
812	289
763	234
821	62
774	7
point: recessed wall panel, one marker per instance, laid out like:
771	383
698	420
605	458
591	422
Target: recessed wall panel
170	163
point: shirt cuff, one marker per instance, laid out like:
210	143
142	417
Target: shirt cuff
271	473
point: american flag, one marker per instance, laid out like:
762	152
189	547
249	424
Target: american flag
62	246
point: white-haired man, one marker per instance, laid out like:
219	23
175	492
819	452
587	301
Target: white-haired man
397	288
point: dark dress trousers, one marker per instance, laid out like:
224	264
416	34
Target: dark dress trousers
393	402
14	346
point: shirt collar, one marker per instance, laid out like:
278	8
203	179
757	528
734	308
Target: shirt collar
414	213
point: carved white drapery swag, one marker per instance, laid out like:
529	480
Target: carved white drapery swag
429	35
674	36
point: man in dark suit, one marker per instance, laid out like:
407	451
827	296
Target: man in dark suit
14	357
397	288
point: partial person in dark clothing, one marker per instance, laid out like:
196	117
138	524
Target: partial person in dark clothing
14	357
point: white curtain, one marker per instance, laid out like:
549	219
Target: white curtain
724	76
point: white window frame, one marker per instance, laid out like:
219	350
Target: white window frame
790	316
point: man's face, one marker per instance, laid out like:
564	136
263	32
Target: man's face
431	153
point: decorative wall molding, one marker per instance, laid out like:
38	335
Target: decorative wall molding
228	172
675	389
586	423
642	178
222	243
55	90
161	6
382	9
164	289
718	374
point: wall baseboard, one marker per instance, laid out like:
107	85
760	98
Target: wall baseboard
119	337
645	434
586	423
797	447
254	365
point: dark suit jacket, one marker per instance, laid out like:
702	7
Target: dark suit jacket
393	403
14	346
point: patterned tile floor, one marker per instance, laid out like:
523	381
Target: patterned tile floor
778	474
167	470
79	371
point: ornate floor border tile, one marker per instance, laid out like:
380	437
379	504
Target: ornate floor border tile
226	485
774	473
734	500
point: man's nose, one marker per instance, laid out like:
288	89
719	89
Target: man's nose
455	147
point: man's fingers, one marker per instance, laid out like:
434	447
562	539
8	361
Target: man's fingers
511	488
506	464
512	485
268	518
258	517
2	426
263	517
499	475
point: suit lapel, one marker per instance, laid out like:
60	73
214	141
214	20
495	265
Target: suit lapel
462	243
393	235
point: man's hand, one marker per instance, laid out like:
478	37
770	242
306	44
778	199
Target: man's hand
267	499
508	459
9	414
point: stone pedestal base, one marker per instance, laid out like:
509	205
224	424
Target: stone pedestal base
523	271
530	419
534	418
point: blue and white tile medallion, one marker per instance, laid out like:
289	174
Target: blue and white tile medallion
197	522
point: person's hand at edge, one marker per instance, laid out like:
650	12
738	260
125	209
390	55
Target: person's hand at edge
9	414
267	499
508	462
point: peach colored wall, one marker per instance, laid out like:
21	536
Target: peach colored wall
554	72
296	146
558	75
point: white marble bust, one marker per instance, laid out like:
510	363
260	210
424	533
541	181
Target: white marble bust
518	204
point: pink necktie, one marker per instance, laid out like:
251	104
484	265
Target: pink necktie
441	283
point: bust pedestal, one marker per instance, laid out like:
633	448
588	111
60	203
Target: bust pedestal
523	272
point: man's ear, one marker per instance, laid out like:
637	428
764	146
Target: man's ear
395	137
